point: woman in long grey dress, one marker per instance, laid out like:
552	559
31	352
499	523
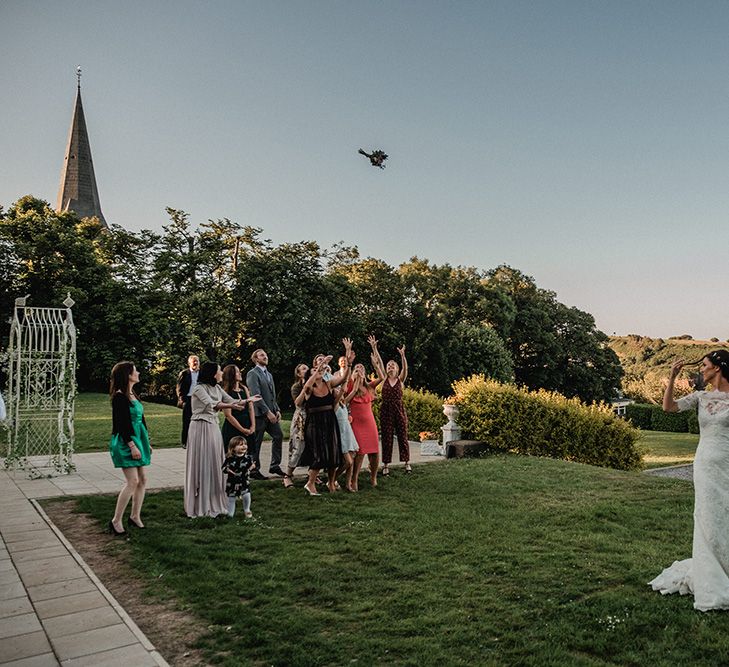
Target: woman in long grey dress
706	573
204	488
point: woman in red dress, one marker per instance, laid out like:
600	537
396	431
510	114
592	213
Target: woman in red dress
360	395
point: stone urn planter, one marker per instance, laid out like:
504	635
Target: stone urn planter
451	412
451	431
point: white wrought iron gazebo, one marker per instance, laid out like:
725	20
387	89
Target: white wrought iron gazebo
41	389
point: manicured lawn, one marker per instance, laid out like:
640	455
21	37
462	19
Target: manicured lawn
501	560
666	449
93	423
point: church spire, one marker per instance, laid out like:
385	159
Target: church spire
77	191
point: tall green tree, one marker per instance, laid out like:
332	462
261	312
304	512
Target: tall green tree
553	346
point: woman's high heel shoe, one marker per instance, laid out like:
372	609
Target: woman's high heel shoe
310	492
135	524
114	531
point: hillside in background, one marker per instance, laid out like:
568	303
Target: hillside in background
647	362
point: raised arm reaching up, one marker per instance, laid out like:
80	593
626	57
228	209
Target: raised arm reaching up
403	364
377	362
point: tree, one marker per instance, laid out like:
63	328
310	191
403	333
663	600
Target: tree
553	346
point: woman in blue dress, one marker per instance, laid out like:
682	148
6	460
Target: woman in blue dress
129	447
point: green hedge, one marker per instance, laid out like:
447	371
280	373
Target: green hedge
651	417
424	410
542	423
674	422
639	415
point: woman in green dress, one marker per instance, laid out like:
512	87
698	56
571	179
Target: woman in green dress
129	447
241	422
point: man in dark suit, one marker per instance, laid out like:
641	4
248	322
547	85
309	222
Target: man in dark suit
186	382
268	414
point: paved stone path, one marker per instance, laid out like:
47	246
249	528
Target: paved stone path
684	472
53	609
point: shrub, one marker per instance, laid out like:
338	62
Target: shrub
424	410
653	418
639	414
542	423
675	422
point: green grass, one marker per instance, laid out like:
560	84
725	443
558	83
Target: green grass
502	560
660	448
93	423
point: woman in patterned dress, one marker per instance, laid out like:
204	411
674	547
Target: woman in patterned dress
393	418
296	440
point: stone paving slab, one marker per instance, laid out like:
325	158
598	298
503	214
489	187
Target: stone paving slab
45	660
70	604
24	646
127	656
81	621
93	641
15	606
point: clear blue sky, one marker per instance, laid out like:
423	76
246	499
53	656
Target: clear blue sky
584	143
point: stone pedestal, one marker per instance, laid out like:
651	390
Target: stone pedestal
451	431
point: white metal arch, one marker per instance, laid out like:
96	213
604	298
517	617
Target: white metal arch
41	389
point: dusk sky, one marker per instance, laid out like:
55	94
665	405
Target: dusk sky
584	143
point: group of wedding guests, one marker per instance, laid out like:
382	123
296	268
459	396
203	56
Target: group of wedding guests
333	429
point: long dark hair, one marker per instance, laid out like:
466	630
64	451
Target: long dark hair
229	378
120	375
207	373
719	358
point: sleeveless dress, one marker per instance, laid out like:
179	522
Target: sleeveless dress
364	424
243	418
706	573
346	434
322	445
121	455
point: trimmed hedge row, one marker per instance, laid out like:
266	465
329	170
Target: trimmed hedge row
542	423
652	418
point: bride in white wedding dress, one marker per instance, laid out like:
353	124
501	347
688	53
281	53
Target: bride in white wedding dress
706	573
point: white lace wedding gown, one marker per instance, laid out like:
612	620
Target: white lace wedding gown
706	573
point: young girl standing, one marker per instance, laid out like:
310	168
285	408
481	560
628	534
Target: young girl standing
237	466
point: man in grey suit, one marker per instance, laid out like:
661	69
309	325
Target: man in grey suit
268	415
